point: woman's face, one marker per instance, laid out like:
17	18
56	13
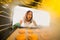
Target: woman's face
29	16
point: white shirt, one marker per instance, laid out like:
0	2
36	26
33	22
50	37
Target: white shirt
27	24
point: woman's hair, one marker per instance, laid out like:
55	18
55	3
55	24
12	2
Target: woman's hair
27	14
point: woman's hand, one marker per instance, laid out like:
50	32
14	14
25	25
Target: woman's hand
20	22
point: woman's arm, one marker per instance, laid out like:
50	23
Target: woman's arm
34	23
20	22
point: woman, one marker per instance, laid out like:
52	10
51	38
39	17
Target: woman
28	20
